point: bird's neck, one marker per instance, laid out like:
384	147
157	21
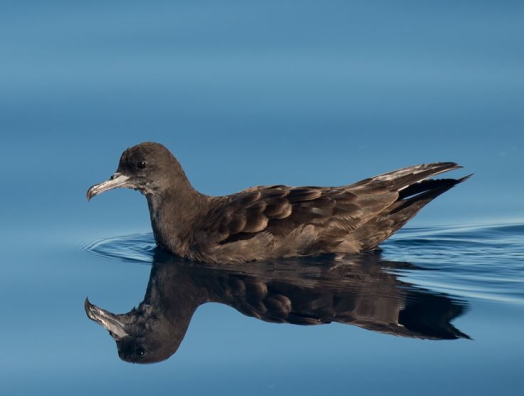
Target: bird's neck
174	212
173	295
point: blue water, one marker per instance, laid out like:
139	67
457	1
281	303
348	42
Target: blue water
250	93
461	259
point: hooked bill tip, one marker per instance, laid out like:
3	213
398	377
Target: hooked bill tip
91	192
117	180
88	307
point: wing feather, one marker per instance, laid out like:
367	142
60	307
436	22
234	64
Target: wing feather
333	211
280	209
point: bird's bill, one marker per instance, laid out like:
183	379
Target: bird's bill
118	180
108	320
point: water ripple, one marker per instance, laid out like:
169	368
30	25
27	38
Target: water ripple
476	262
136	248
485	262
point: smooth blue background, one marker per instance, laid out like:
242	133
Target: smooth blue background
244	93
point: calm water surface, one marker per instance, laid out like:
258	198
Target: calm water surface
253	93
440	310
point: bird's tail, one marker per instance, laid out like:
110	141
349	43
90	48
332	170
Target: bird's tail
412	198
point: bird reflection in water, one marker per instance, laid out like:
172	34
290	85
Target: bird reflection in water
360	290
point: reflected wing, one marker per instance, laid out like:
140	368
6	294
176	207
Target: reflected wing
383	307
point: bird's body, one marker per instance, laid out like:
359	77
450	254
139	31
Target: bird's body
267	222
360	290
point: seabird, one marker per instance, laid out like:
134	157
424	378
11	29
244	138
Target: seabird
268	222
359	290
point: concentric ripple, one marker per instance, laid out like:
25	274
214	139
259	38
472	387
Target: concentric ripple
475	262
136	248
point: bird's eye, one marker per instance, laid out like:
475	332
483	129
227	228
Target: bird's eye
140	351
141	164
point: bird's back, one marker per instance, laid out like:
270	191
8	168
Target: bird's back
266	222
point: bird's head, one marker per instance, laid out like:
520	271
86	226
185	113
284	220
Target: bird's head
147	167
141	335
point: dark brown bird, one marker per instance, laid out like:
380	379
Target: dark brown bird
360	290
268	222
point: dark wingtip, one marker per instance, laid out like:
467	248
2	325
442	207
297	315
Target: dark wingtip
463	179
449	166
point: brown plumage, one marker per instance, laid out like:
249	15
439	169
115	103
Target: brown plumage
360	290
266	222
